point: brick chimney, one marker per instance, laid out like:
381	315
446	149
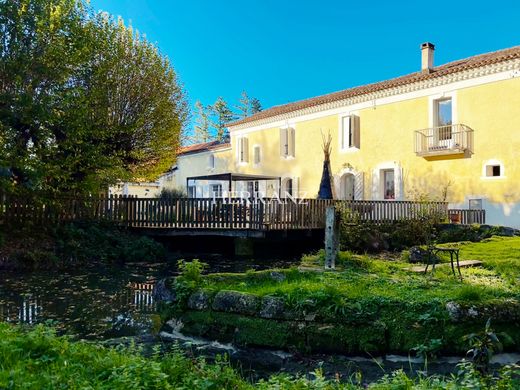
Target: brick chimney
427	50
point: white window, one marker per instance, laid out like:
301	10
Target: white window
211	161
243	150
388	184
192	192
493	169
287	142
216	190
443	118
349	132
256	155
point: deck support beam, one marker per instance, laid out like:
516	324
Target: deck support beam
244	246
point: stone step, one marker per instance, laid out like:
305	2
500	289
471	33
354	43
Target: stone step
462	263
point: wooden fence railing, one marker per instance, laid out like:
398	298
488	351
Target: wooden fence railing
467	217
269	214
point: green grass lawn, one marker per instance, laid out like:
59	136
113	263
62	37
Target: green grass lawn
362	276
38	359
376	305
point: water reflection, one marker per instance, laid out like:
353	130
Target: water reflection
94	304
142	297
27	312
99	302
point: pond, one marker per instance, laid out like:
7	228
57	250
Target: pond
98	302
111	303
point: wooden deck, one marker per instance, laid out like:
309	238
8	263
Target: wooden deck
207	214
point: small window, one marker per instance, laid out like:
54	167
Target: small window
349	132
493	170
287	142
192	192
256	155
475	204
388	184
216	190
211	162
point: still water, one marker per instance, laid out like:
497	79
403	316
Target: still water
110	303
98	302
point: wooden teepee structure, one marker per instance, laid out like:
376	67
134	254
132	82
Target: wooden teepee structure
326	188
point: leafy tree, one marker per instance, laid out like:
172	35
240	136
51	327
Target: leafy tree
255	106
223	115
84	100
244	105
202	123
248	106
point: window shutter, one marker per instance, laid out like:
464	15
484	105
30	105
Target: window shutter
283	142
292	141
376	185
296	186
359	186
355	128
398	183
246	149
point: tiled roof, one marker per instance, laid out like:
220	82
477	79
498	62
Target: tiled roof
203	147
442	70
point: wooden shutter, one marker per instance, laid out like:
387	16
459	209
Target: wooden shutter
245	149
359	186
292	141
296	186
398	183
354	128
283	142
376	185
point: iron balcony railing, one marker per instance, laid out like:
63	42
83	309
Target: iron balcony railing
441	140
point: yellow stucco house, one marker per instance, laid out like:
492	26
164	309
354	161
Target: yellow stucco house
446	132
204	161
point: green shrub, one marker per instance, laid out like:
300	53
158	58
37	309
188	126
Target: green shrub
75	244
191	271
172	193
366	236
38	359
105	242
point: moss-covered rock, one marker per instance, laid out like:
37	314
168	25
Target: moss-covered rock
272	307
505	310
236	302
199	300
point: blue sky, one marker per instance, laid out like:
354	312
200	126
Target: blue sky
281	51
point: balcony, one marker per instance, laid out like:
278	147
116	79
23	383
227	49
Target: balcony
444	141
